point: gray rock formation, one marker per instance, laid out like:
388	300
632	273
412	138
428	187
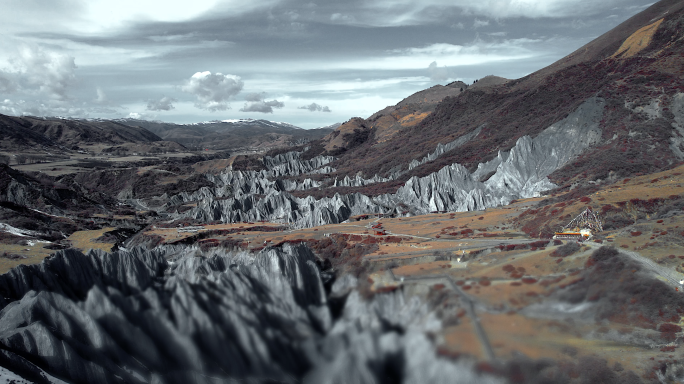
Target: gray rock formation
178	315
444	148
283	207
290	164
362	346
131	317
677	139
520	173
241	183
359	181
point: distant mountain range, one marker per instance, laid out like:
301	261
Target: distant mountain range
36	132
30	132
231	134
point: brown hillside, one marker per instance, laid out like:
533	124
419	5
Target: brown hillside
607	44
391	120
25	132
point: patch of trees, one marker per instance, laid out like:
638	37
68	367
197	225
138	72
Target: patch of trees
282	150
623	292
148	185
341	251
248	163
356	138
566	249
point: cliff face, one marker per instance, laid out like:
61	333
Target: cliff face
175	315
290	164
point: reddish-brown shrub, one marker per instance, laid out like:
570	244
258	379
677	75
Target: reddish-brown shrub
668	327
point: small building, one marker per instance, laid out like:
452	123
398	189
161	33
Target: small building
581	227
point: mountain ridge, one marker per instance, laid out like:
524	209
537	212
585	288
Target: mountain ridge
526	106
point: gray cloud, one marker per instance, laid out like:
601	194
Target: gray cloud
213	91
103	104
480	23
101	96
277	45
262	106
37	108
50	73
256	96
438	73
314	107
39	81
342	18
6	85
163	104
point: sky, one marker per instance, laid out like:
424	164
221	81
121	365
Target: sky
307	63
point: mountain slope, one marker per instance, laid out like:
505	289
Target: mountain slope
389	121
635	68
25	132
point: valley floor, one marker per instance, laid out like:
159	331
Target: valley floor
500	294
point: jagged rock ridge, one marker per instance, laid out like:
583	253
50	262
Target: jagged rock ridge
521	172
176	315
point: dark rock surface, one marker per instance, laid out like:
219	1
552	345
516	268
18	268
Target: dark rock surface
176	315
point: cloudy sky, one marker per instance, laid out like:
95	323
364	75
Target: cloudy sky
307	63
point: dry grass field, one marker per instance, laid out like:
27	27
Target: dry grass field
15	254
85	240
